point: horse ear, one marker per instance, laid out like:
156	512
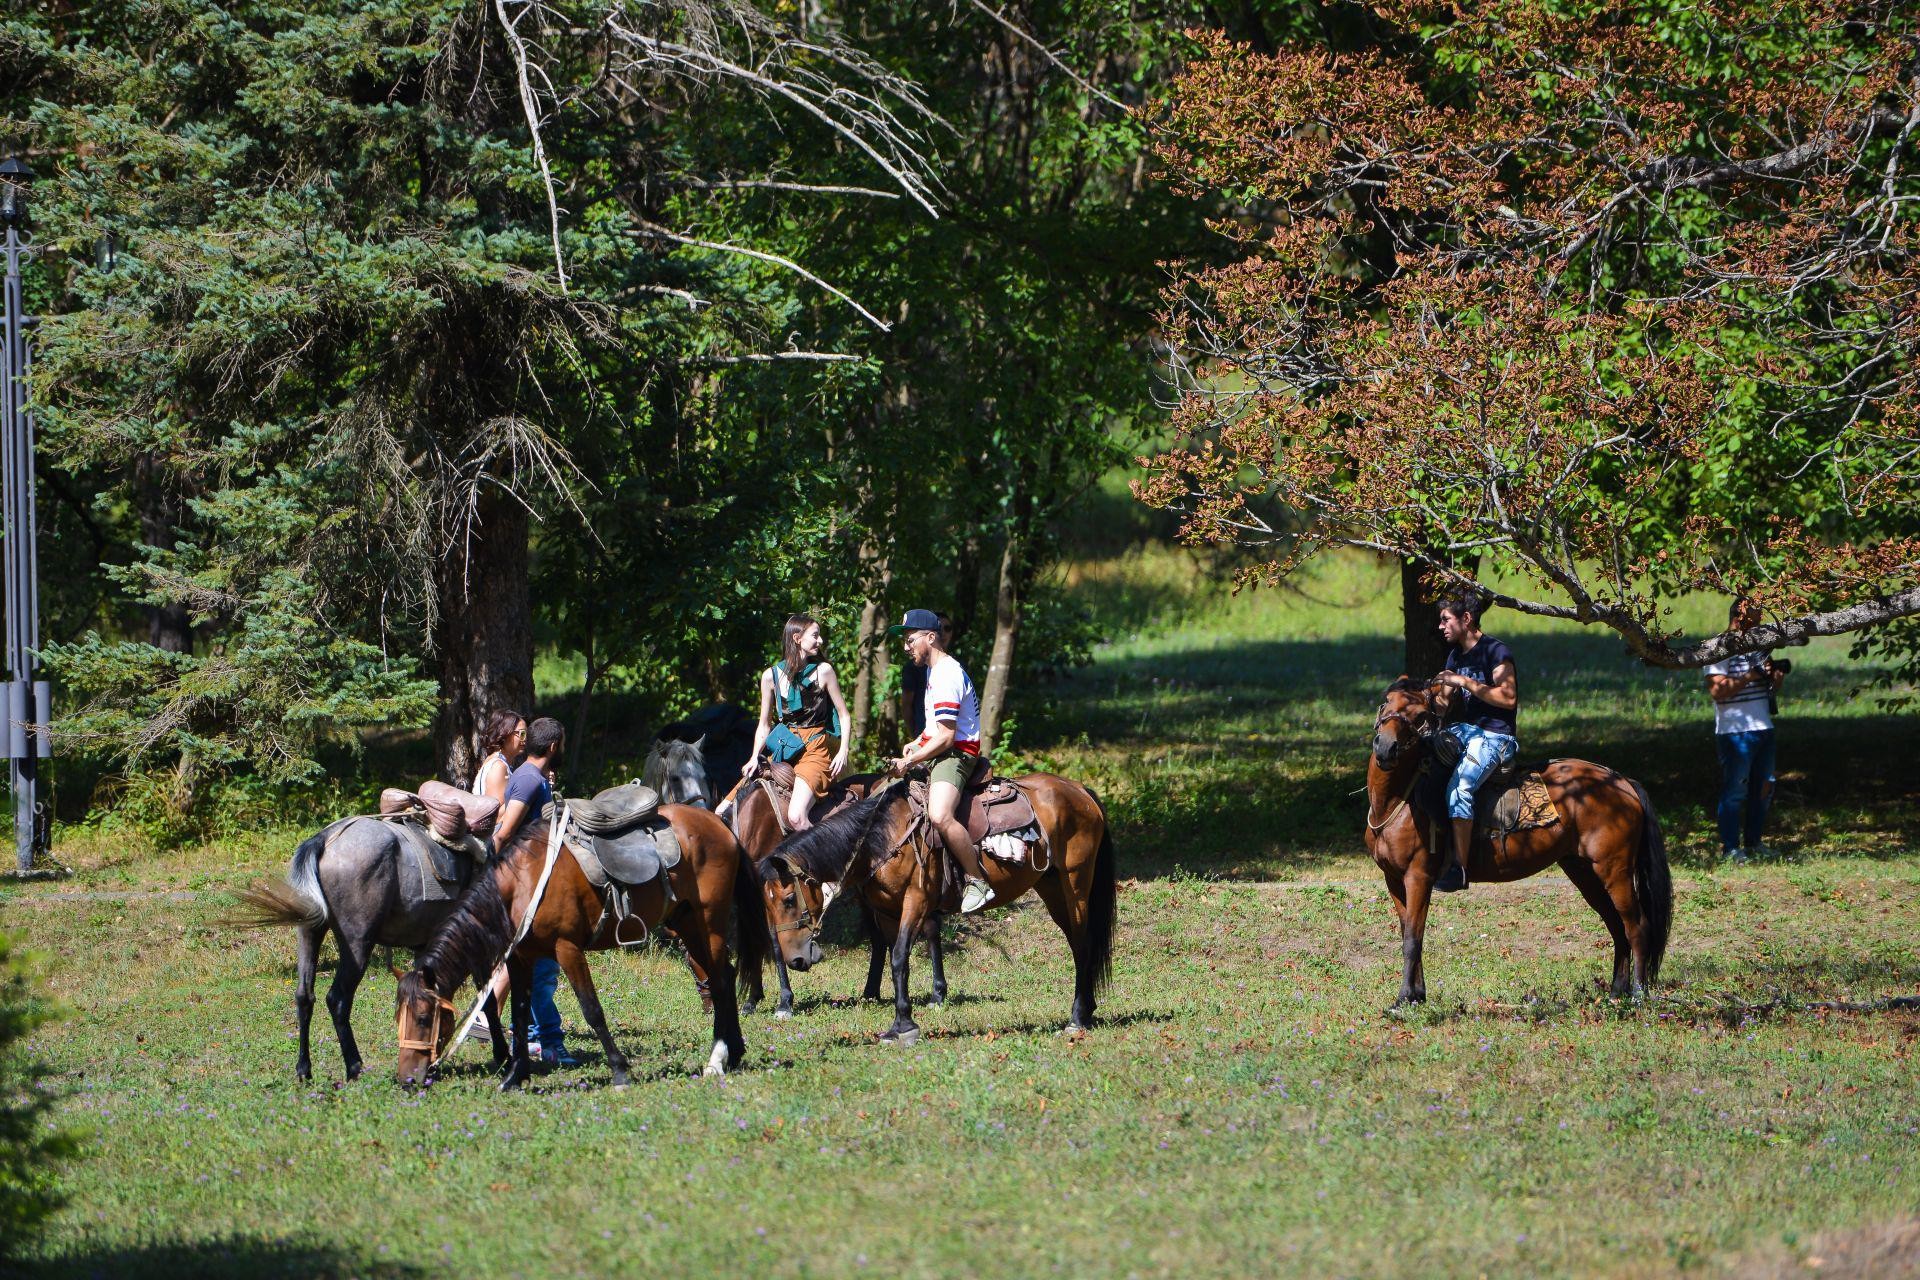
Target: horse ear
700	743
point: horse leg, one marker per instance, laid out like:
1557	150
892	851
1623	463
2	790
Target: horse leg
354	953
706	941
1417	886
495	1031
1620	890
308	964
876	952
937	960
1052	888
573	962
904	1030
1397	890
1594	890
520	987
784	1009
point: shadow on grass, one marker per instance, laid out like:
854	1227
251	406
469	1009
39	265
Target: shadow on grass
226	1258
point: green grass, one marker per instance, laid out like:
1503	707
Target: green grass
1245	1108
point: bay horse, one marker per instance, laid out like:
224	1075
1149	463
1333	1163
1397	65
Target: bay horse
711	886
877	850
757	824
1608	842
357	880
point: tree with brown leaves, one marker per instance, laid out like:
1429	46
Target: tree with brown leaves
1614	302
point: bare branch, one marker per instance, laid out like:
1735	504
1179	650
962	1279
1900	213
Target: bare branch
651	228
529	105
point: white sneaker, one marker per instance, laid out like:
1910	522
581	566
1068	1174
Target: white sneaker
979	894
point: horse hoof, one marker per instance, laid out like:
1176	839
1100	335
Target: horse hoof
354	1069
782	1015
904	1039
717	1060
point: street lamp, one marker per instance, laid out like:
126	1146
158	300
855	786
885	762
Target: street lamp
27	697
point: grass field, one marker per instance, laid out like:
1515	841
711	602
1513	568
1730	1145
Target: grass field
1246	1108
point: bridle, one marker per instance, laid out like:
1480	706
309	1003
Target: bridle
1423	727
431	1045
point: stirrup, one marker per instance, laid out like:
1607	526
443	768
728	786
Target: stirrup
1452	880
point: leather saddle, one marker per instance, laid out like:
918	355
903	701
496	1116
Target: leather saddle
777	777
621	842
1513	799
448	812
994	806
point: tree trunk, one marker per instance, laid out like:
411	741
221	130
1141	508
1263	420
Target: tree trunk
871	654
162	510
1006	634
1425	653
484	634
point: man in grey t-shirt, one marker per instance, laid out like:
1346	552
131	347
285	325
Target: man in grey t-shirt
1742	688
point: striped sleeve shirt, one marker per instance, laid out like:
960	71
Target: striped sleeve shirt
951	702
1748	709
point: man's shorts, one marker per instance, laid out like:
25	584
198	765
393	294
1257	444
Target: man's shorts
956	767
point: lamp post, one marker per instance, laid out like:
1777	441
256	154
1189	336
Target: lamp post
27	697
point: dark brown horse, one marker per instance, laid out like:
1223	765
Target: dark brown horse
757	823
1607	841
878	851
712	888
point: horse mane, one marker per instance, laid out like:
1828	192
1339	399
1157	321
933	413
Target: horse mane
1407	684
475	935
825	850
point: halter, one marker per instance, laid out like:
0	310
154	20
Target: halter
431	1045
1424	732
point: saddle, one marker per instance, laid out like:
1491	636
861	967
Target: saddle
1512	800
620	843
776	779
448	812
999	819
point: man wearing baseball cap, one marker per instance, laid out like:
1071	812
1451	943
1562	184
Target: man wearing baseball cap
950	744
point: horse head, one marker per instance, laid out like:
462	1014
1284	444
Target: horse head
427	1020
677	771
1410	714
796	904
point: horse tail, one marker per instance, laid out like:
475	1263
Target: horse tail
294	902
1652	884
1103	904
750	919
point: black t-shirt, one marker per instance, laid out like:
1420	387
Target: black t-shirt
1478	663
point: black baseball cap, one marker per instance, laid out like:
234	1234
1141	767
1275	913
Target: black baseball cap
916	620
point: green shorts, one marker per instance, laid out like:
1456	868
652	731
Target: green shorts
956	767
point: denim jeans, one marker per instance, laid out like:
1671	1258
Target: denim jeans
1481	752
546	1017
1746	785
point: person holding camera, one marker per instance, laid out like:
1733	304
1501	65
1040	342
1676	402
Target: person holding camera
1743	688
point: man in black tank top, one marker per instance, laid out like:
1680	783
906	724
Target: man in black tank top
1482	670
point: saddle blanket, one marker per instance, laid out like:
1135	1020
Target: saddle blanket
1513	800
442	870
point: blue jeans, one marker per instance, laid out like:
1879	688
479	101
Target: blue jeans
1481	752
546	1018
1746	785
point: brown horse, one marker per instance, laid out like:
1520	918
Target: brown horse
711	887
758	826
1607	841
878	851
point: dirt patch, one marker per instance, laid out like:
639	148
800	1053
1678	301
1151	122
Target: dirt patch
1885	1251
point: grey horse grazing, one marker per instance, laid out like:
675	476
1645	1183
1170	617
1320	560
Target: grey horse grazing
352	878
677	771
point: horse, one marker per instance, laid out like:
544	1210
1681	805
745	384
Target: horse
1608	841
677	772
722	734
355	879
883	852
758	826
697	900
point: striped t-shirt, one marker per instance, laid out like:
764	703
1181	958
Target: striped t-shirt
951	702
1748	709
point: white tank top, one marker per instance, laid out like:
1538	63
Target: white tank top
480	774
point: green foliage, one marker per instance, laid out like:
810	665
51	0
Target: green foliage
30	1151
